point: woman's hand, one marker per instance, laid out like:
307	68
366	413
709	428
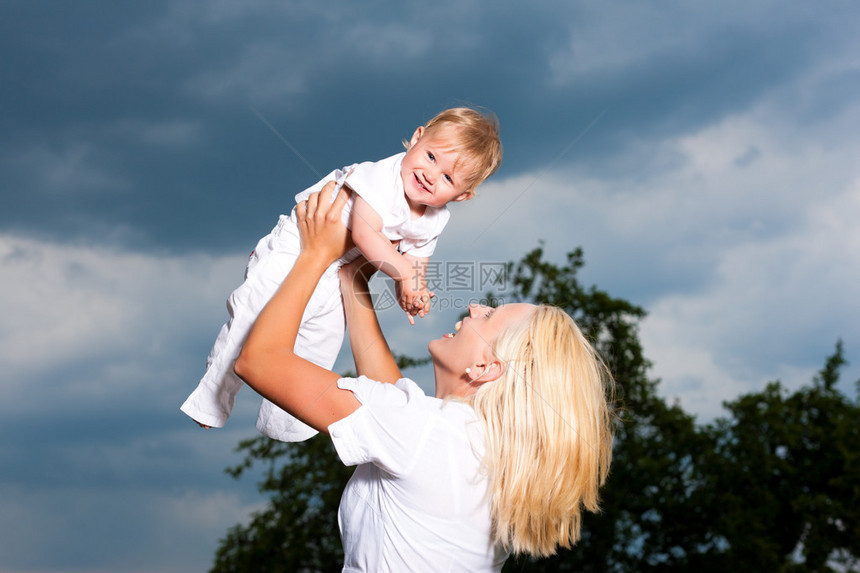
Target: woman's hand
324	236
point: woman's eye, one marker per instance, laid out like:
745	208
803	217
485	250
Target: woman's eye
489	312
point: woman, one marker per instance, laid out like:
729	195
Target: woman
515	444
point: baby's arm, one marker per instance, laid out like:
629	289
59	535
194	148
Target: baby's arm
377	249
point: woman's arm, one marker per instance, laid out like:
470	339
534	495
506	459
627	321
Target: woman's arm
370	350
267	362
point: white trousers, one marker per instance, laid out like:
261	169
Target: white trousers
319	338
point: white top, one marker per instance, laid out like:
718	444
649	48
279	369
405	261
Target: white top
379	184
418	498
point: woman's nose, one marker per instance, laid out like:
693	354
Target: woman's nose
475	308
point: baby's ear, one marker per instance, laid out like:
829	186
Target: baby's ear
417	135
464	196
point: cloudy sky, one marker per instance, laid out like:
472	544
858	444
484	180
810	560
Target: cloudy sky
704	156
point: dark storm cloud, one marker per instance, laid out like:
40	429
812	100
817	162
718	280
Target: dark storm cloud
141	125
147	146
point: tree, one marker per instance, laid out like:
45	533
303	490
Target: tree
649	442
773	486
786	466
297	531
647	519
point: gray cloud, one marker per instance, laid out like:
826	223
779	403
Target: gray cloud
717	188
138	125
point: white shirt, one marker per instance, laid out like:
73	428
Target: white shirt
379	183
418	499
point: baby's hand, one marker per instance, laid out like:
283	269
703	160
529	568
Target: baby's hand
413	301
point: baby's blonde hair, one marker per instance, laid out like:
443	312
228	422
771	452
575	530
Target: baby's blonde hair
549	427
475	135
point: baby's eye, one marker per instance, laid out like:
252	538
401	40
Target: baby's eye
448	179
430	156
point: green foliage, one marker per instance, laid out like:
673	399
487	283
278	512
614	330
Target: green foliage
297	531
646	511
774	486
787	468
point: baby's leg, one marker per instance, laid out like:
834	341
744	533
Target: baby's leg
212	401
319	340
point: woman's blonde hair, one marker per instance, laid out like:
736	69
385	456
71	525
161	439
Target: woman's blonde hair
475	135
549	427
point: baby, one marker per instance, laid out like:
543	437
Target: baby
395	214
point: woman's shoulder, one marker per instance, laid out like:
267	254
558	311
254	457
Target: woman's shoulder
369	392
397	424
363	384
405	393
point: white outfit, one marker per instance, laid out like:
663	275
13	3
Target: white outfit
321	332
418	498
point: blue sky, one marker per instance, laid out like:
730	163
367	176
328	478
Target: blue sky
704	156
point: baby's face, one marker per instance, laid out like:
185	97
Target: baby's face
432	171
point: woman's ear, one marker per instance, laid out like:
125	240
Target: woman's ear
494	370
480	373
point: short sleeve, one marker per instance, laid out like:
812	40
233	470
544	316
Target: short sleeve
338	176
389	429
419	248
378	183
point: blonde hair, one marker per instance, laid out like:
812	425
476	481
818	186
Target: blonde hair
475	135
549	427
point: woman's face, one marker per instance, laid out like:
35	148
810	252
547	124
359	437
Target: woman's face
474	337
